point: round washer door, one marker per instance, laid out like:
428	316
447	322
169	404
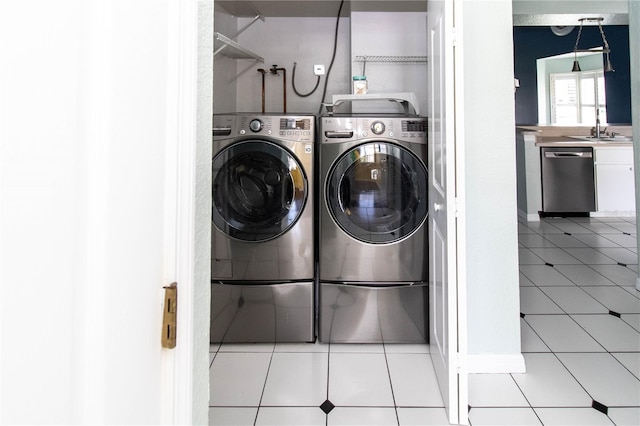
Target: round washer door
377	192
259	190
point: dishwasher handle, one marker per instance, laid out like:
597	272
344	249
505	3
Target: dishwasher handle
565	154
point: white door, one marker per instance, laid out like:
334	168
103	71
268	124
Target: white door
447	339
98	210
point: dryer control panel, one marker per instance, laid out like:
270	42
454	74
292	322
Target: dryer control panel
336	129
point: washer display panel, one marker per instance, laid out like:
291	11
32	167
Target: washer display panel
377	192
259	190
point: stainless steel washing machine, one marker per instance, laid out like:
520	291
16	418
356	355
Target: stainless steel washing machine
373	244
262	233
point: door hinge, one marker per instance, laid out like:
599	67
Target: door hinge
461	360
169	316
459	203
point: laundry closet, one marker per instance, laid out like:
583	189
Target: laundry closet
450	88
334	249
305	244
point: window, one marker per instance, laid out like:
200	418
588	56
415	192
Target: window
577	96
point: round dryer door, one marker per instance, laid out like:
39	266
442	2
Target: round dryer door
377	192
259	190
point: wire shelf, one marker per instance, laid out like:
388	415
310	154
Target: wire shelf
230	48
393	59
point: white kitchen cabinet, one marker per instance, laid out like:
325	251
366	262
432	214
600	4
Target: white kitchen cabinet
615	187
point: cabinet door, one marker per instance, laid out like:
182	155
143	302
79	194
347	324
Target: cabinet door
615	188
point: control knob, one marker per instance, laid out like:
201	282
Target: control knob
377	127
255	125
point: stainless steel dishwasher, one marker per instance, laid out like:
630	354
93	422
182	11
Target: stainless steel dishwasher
568	186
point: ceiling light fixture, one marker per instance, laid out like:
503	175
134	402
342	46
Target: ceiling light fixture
604	49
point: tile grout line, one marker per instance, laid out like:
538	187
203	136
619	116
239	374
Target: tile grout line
581	289
589	334
579	325
620	362
565	313
563	310
582	263
326	415
526	399
581	385
264	385
393	395
536	333
618	244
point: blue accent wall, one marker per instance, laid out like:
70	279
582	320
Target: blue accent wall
532	43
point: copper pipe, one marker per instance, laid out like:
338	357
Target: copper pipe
263	72
274	70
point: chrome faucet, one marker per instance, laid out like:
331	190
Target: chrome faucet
596	131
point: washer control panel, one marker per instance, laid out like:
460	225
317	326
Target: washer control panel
292	128
295	128
256	125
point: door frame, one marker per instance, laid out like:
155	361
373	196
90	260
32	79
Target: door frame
185	369
461	232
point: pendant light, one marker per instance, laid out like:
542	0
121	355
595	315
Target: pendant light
605	49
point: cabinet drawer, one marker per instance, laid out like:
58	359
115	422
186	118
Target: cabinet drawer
614	155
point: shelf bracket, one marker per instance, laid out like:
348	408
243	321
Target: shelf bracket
234	50
237	51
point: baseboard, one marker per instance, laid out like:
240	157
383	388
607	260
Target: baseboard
495	363
529	217
614	214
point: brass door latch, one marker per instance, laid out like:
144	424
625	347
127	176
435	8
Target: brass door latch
169	316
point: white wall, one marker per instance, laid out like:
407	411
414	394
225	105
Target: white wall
492	246
225	69
283	41
368	40
309	41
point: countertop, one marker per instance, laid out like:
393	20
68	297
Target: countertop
556	130
566	141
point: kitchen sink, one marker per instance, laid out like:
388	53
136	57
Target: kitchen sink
617	138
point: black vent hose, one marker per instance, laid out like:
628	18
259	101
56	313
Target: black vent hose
333	56
293	84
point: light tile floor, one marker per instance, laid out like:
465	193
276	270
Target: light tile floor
580	322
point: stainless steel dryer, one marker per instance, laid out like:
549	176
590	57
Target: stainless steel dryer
373	244
262	231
